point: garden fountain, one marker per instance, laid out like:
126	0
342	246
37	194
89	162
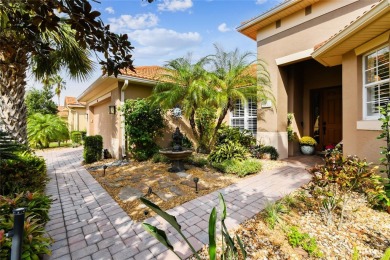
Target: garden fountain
177	153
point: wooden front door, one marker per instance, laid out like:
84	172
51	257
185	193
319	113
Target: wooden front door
326	116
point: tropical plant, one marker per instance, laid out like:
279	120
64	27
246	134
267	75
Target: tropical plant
186	84
24	173
60	85
40	101
385	134
93	148
43	129
231	134
143	123
273	211
233	77
8	147
52	34
241	168
309	244
205	123
307	140
228	151
290	130
228	245
258	151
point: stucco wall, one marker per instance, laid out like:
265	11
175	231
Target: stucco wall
296	34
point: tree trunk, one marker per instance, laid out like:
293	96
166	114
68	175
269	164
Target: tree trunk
13	67
193	124
220	120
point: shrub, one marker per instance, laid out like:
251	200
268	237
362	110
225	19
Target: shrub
258	151
76	137
93	148
205	122
230	134
157	157
26	172
241	168
35	240
8	147
198	160
83	135
228	151
273	211
143	123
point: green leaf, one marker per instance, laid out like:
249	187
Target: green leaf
223	207
158	234
241	246
169	218
212	235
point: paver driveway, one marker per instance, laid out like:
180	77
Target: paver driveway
86	223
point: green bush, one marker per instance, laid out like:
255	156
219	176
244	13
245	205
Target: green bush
157	157
258	151
93	148
241	168
143	123
26	172
309	244
198	160
35	240
76	137
230	134
228	151
83	135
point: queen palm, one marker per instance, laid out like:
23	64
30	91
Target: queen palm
15	58
184	84
234	79
60	85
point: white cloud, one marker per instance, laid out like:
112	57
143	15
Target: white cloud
223	28
260	2
160	41
140	21
110	10
175	5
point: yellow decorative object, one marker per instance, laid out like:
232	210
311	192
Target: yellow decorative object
307	140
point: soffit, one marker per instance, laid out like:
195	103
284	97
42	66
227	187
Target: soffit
369	26
251	27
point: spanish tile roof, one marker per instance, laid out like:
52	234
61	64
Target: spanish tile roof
319	45
145	72
72	101
62	112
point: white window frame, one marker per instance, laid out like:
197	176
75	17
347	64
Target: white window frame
366	86
246	116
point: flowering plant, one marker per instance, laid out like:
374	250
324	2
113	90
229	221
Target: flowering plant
330	147
307	140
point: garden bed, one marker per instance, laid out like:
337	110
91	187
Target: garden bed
364	234
125	183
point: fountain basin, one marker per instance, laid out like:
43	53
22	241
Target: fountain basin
177	158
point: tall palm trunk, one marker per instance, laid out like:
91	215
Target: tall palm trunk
13	67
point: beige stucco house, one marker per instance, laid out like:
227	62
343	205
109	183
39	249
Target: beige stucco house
74	113
329	65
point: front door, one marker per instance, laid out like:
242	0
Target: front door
326	117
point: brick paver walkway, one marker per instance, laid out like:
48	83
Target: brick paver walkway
86	223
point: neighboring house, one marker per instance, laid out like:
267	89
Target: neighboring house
329	65
107	94
74	113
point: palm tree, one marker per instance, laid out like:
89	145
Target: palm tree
184	84
59	86
233	79
15	58
43	129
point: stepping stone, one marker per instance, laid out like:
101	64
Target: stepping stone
164	184
165	196
191	183
176	190
142	187
212	175
113	185
128	194
183	175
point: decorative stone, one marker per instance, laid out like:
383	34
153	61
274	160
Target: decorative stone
191	183
128	194
212	175
183	175
164	184
165	196
176	190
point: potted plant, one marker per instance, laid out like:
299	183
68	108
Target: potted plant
307	144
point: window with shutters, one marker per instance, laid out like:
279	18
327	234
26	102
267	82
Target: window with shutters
244	116
376	90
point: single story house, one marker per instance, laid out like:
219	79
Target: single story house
74	113
329	66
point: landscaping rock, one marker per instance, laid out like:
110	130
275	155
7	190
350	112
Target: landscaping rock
183	174
128	194
164	184
191	183
177	191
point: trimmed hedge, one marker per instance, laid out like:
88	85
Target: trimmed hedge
241	168
93	148
76	137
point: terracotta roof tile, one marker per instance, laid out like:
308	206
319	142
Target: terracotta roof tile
72	101
319	45
145	72
61	112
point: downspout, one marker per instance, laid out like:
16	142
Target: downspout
123	141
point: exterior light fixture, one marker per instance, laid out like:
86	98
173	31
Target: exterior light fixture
112	110
104	170
196	180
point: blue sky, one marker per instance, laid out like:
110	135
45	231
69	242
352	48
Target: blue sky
168	29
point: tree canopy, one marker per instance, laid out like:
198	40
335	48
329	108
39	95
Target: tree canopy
40	101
